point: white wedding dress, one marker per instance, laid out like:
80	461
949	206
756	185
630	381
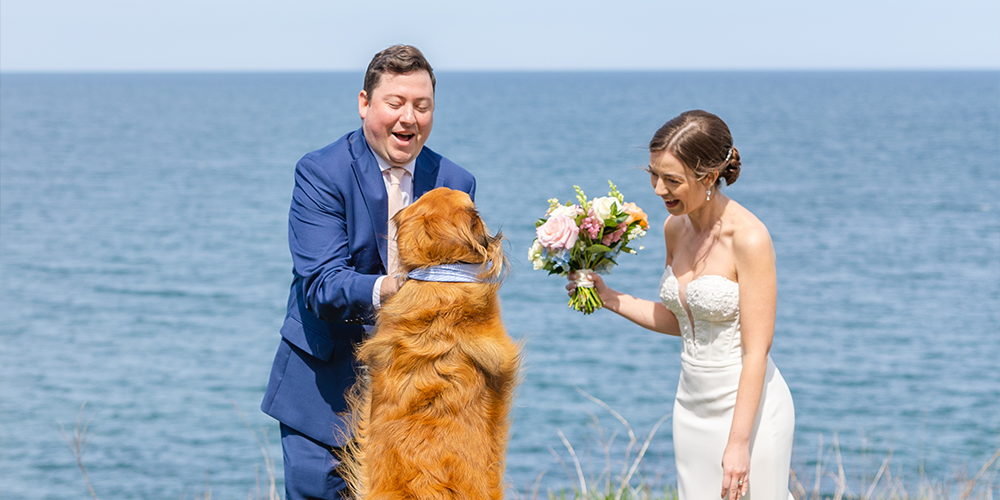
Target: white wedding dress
711	361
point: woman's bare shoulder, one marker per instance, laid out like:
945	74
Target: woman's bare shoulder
673	227
673	223
749	234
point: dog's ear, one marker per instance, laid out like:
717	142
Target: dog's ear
489	248
498	260
477	238
415	240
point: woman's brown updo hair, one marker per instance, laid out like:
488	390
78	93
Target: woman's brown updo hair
702	142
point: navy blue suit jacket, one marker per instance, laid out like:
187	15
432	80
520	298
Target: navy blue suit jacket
337	230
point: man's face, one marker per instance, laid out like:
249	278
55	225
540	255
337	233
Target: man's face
398	116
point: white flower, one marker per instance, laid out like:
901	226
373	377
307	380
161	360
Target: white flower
535	255
636	233
570	211
603	206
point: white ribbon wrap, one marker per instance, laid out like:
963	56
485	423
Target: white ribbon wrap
583	278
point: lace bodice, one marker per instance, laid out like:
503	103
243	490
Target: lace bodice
711	331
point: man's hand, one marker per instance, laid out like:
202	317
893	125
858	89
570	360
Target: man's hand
390	285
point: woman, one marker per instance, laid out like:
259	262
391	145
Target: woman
733	417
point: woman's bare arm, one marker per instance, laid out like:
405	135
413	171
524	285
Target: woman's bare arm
755	267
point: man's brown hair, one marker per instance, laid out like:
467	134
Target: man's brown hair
398	60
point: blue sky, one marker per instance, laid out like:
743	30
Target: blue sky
314	35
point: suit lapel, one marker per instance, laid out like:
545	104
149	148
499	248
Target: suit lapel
372	187
424	175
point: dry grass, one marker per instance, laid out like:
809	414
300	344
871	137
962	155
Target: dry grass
627	483
267	491
884	486
77	443
622	481
617	485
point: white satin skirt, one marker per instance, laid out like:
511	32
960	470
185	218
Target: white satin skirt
703	415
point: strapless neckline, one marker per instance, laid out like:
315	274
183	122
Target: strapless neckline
708	315
671	270
682	297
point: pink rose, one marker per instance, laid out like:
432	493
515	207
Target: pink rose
613	237
558	232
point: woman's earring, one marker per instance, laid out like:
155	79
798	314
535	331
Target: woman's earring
708	195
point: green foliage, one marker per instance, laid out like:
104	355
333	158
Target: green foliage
615	194
582	199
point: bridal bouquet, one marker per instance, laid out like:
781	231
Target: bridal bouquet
584	237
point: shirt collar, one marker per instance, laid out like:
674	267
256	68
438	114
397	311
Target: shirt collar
383	165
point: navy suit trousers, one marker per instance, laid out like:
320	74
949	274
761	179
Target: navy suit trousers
310	468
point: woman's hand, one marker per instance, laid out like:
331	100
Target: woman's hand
647	314
600	286
735	471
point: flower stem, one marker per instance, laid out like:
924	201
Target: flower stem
585	300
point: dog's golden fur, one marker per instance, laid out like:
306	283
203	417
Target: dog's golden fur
430	420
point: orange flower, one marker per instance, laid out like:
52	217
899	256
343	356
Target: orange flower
635	214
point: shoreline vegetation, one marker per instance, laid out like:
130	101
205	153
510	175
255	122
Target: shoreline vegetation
629	483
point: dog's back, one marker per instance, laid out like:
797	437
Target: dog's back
431	419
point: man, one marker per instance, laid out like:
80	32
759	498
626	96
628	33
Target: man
338	229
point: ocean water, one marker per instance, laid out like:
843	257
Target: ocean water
144	265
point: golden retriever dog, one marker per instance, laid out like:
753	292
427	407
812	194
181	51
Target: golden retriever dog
430	419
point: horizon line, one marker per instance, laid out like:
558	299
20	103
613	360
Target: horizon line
976	69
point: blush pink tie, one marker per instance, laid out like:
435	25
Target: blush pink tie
395	205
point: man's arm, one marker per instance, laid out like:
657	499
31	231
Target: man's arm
320	247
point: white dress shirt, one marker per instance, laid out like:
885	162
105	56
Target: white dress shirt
406	187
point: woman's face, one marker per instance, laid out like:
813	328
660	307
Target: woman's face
677	185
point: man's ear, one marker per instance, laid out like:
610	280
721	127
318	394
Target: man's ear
363	104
